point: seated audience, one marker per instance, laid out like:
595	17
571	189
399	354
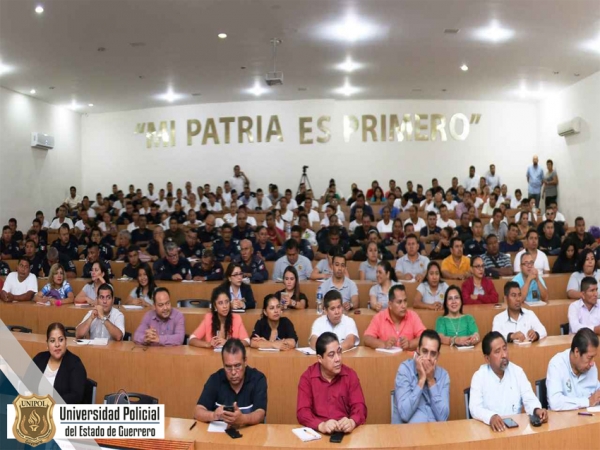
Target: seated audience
103	321
422	388
272	330
456	266
19	286
163	325
476	245
172	266
263	247
292	258
496	226
330	398
581	238
585	312
191	248
133	262
396	326
442	248
497	263
530	280
379	293
66	243
253	267
62	369
430	293
368	269
517	324
572	378
549	240
501	388
567	259
143	294
219	325
156	248
341	283
58	291
226	248
208	269
531	246
479	289
89	292
239	293
235	385
336	321
93	256
512	243
412	266
454	327
586	267
290	296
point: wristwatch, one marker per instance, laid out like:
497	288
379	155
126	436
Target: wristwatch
452	341
293	303
103	319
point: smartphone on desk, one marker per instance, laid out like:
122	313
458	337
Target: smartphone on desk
336	438
510	423
233	433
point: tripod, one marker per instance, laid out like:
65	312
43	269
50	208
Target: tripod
304	179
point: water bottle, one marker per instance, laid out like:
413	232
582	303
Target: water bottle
288	230
320	300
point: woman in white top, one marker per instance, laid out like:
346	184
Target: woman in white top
430	293
368	269
90	291
379	294
143	293
384	226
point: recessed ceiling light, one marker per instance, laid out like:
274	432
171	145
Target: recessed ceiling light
347	89
74	105
349	66
257	90
32	91
464	67
532	94
352	29
90	104
169	96
494	33
222	35
39	9
452	31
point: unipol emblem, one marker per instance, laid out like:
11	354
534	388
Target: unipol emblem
33	422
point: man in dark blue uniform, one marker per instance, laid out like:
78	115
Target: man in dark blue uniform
208	269
226	248
252	266
172	267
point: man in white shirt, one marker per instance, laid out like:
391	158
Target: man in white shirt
491	179
472	181
585	312
414	218
572	379
501	388
336	321
531	246
19	286
260	202
73	201
313	216
517	324
62	218
444	220
103	321
239	179
285	214
151	195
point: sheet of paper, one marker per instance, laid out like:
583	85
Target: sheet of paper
306	434
465	347
594	409
82	341
131	307
389	350
534	304
268	349
306	350
99	341
217	427
522	342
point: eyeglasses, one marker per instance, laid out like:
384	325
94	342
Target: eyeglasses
238	274
527	264
234	368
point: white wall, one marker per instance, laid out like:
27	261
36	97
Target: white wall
32	179
576	158
507	135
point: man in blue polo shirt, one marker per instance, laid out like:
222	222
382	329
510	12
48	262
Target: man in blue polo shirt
530	280
535	176
235	394
339	282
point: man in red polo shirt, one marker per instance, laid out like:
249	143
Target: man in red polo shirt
330	398
395	326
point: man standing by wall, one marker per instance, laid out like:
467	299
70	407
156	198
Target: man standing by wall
535	176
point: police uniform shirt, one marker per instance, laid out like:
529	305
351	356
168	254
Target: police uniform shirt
5	269
64	261
474	247
215	273
138	235
71	249
87	269
207	236
191	252
251	397
246	233
222	250
153	219
35	265
164	270
152	248
130	272
124	217
256	267
105	252
268	253
10	249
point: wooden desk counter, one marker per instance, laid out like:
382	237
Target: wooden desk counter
557	289
176	375
39	317
564	430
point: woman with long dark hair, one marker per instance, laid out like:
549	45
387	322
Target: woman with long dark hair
454	327
141	295
272	330
239	293
219	325
290	296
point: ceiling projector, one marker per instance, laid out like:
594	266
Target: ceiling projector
274	78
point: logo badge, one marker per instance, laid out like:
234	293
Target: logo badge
33	421
569	387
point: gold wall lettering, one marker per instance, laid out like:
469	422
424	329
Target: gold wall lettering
305	129
350	127
324	129
438	126
274	129
421	126
453	128
245	128
193	129
210	132
227	121
369	122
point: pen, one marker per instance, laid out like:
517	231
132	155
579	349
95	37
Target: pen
585	414
193	425
311	432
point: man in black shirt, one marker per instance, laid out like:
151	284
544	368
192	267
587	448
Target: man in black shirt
191	248
463	231
208	269
174	233
133	258
226	248
172	266
361	234
549	241
142	235
66	244
581	238
54	256
559	229
243	230
236	386
153	217
511	244
8	248
34	258
156	248
476	245
334	240
17	236
93	255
